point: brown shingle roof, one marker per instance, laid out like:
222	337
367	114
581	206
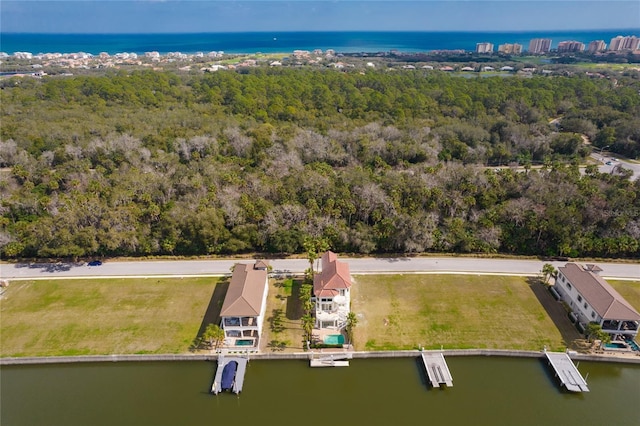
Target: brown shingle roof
334	276
244	296
599	294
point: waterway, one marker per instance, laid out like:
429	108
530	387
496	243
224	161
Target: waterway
486	391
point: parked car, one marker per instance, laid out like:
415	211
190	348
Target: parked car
95	263
608	163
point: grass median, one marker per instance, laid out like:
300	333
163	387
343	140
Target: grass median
103	316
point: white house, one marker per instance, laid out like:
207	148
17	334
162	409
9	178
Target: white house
244	306
592	299
331	291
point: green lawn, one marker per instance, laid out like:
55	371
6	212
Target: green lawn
82	317
283	302
630	290
455	311
77	317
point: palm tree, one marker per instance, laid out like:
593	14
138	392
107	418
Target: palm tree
307	326
313	247
352	321
548	271
214	335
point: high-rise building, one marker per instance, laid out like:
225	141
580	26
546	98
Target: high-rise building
596	46
540	45
624	43
570	46
484	47
509	48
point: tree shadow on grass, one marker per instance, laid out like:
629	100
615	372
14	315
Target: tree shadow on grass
571	338
294	305
212	314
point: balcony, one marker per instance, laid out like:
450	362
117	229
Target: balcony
614	325
239	322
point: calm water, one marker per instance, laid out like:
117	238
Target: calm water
487	391
346	42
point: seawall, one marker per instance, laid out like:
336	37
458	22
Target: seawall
307	355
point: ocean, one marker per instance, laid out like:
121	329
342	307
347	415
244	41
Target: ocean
272	42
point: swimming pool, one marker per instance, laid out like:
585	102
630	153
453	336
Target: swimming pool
616	346
334	339
244	342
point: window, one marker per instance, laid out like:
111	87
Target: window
579	298
585	305
568	285
593	314
562	276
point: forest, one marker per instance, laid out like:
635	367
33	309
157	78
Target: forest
138	163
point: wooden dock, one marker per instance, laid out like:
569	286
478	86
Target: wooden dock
437	369
216	387
568	373
332	360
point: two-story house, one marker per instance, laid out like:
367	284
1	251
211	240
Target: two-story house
331	292
592	299
244	306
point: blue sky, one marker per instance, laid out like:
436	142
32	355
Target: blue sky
171	16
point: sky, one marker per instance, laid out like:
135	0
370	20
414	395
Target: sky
179	16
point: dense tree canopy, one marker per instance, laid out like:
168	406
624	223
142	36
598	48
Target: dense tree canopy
137	163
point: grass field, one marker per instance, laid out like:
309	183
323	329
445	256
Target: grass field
630	290
87	317
283	302
453	311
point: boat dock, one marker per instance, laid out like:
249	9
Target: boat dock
568	373
437	369
333	360
216	387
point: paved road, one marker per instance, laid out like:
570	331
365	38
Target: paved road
295	266
603	167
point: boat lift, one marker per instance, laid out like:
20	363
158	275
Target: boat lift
437	369
223	361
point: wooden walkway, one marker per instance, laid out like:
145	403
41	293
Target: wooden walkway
569	375
437	369
239	380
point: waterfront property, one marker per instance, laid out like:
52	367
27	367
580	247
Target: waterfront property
244	306
453	311
331	291
592	299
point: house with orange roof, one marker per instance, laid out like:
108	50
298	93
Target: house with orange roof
331	292
592	299
244	306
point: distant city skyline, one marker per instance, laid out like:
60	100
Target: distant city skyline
199	16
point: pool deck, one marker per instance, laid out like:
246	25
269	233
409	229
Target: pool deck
216	387
437	369
568	373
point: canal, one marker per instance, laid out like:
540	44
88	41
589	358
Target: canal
486	391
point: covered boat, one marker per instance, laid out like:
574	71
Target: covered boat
229	375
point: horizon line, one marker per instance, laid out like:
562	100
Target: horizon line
563	30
